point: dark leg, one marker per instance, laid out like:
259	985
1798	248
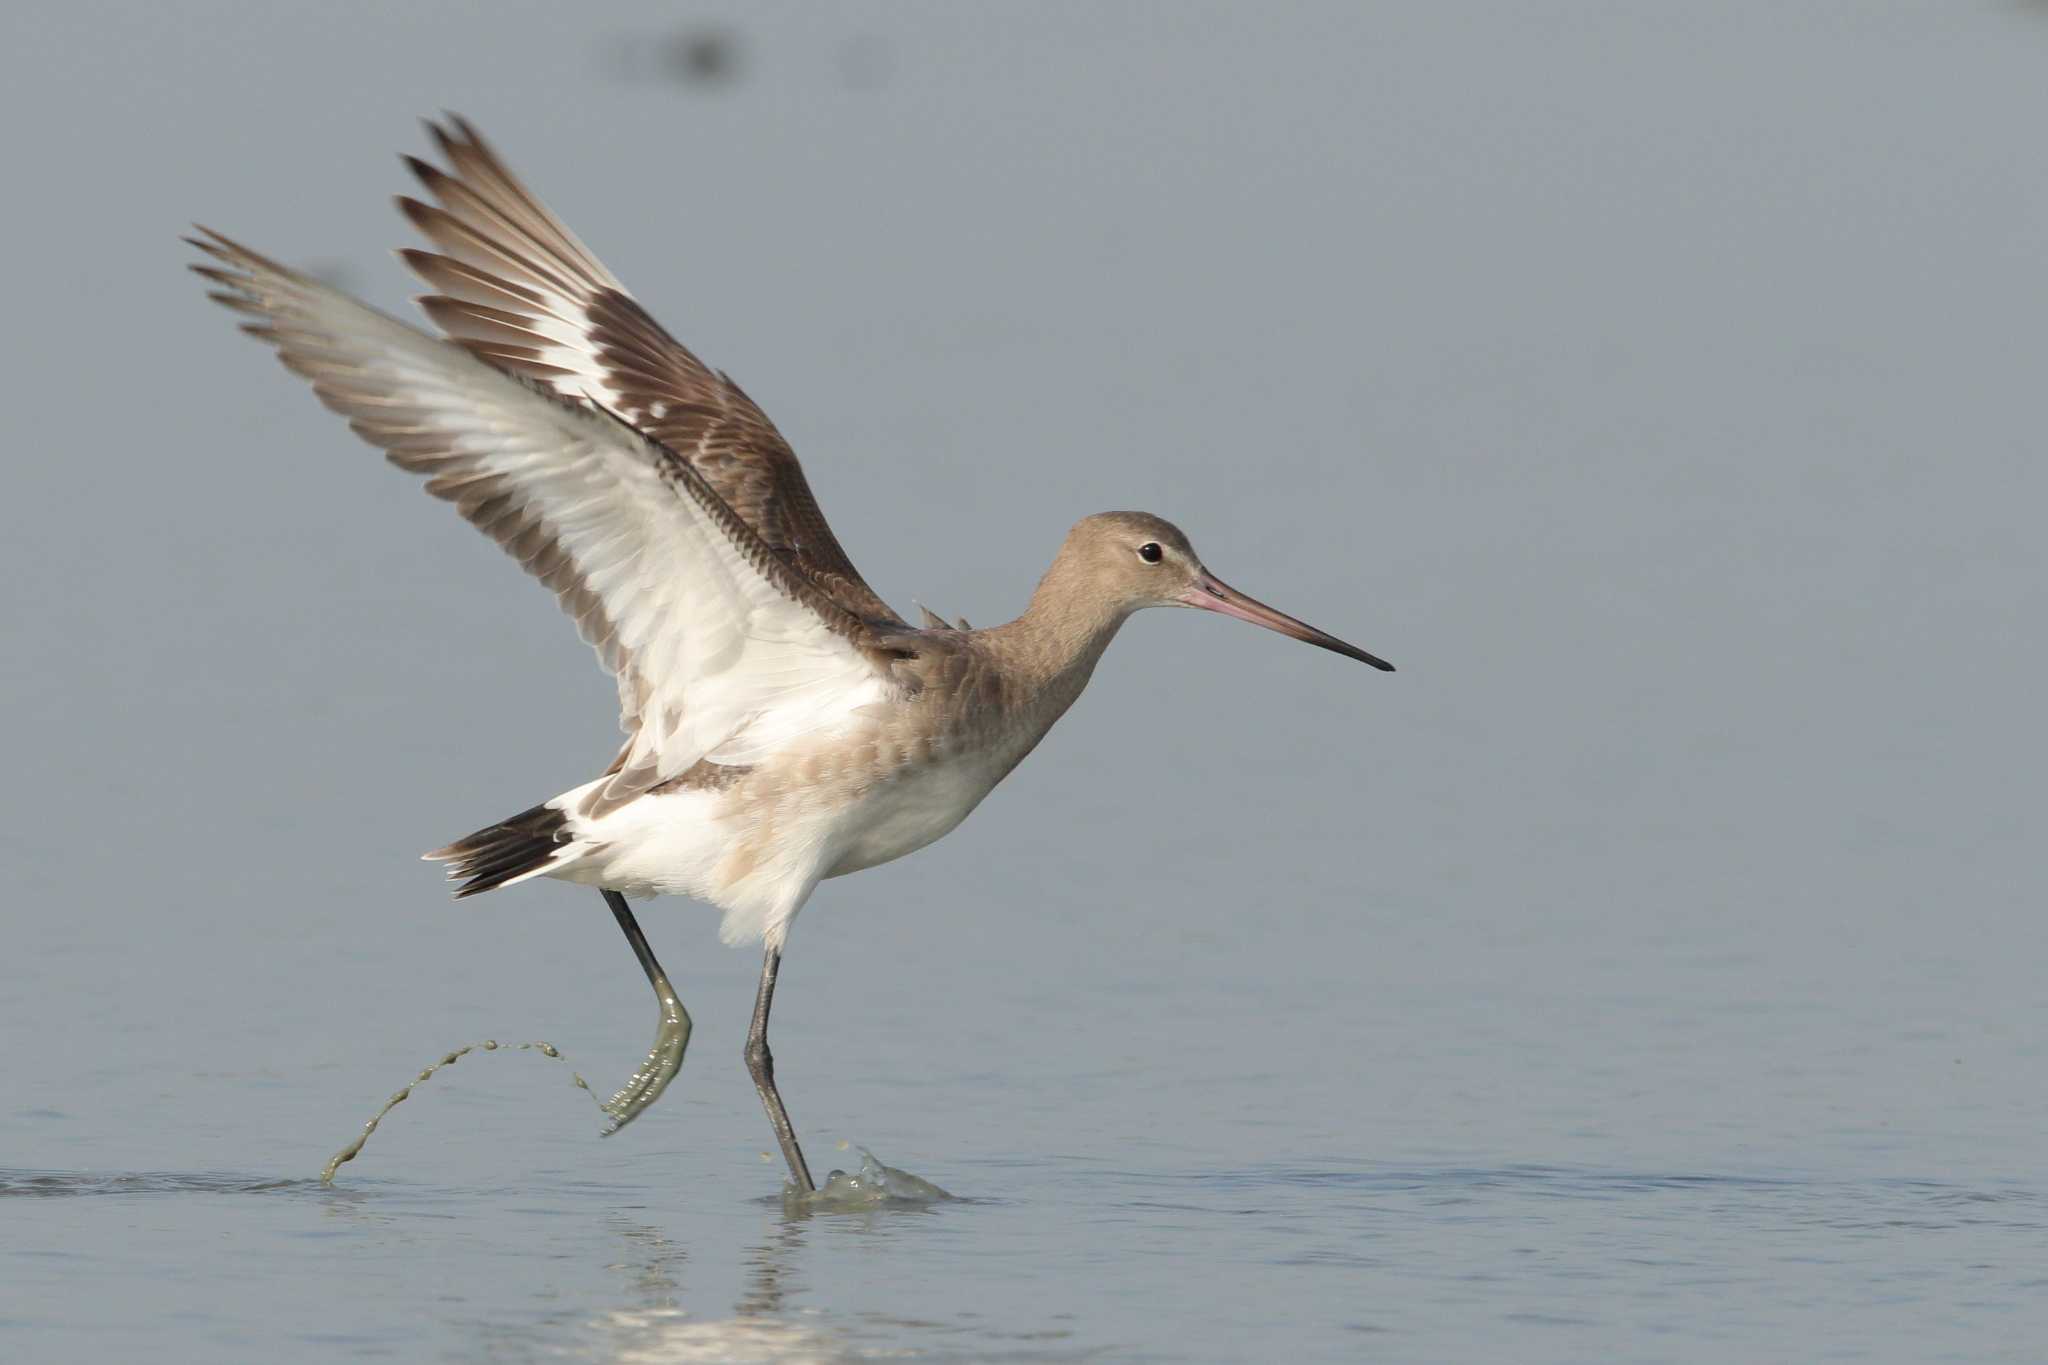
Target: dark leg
665	1058
761	1066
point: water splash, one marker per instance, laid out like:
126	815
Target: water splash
873	1186
348	1153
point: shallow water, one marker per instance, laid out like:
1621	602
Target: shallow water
1075	1260
1651	970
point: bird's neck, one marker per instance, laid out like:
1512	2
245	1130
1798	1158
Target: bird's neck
1057	641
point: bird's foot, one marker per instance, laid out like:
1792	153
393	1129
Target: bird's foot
664	1060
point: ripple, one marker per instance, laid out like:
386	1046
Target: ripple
33	1184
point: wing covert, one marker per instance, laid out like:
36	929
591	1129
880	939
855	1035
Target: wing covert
517	288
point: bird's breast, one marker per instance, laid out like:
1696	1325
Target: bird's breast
939	757
916	804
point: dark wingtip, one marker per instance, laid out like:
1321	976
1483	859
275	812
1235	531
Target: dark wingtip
426	172
453	133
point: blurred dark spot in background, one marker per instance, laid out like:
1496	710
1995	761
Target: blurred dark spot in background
702	58
706	56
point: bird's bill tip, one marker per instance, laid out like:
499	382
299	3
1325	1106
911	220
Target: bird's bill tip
1211	593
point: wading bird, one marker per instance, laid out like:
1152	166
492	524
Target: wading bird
783	724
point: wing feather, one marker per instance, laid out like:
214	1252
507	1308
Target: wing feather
718	644
519	290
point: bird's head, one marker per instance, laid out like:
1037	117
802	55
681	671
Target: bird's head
1132	560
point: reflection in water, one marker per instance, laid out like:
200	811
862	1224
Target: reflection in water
767	1323
768	1275
655	1265
655	1329
667	1334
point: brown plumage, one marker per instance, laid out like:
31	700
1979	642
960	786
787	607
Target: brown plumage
783	724
503	256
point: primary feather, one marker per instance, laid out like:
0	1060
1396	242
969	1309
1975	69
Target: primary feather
722	648
517	288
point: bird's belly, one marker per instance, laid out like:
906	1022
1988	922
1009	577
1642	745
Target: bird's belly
909	810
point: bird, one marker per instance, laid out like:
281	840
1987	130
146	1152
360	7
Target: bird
783	724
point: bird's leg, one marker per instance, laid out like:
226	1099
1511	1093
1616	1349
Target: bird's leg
665	1058
761	1066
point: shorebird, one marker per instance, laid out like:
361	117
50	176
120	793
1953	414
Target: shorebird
783	724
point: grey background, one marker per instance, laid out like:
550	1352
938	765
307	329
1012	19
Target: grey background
1650	969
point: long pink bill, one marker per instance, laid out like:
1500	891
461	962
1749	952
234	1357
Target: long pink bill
1211	593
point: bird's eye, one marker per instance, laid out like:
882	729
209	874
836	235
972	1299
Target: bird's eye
1150	552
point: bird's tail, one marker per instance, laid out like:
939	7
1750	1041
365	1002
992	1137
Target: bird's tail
530	843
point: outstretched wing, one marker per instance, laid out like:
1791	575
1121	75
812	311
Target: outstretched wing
516	288
720	646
